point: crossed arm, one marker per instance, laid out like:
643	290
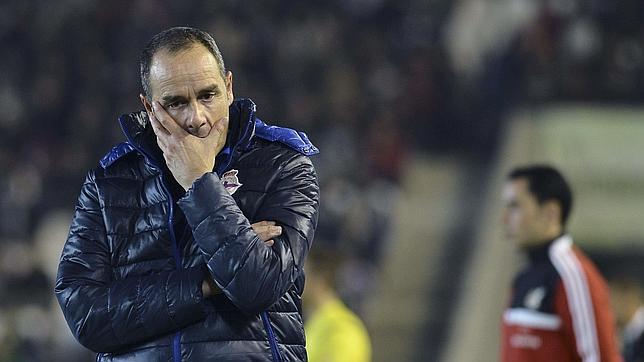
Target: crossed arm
107	315
252	264
252	276
266	231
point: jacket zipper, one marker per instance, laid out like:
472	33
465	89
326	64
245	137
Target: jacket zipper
271	337
176	339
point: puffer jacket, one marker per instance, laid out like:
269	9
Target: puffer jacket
129	279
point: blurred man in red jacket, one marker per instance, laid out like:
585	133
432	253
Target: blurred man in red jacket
560	307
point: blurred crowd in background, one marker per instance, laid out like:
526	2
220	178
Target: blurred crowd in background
371	81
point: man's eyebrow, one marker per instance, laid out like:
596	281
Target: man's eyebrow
171	99
168	99
209	89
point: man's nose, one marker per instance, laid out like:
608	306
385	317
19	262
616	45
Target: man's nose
196	118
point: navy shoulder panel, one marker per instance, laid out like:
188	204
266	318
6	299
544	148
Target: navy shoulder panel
115	153
298	141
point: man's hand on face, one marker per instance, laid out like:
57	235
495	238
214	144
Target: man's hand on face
266	230
188	157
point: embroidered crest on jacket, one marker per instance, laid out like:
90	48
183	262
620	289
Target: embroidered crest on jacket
534	298
231	181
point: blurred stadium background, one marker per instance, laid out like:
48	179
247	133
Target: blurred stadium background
419	108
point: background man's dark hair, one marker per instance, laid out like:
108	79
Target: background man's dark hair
325	263
546	183
175	40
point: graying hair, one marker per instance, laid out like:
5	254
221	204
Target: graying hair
175	40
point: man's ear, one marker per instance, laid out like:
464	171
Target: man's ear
229	87
552	208
146	104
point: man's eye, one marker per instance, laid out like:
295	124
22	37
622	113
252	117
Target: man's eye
174	105
208	96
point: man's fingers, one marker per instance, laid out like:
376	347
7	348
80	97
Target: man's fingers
266	232
157	127
162	144
218	128
273	230
166	120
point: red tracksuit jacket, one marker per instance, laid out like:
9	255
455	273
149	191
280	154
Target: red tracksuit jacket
559	309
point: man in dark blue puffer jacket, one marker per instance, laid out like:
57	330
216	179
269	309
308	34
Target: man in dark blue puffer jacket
188	241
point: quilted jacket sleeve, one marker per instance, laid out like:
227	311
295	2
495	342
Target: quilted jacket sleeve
252	275
107	315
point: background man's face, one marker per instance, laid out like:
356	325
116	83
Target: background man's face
189	85
524	220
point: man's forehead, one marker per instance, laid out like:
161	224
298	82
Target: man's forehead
193	60
176	73
516	188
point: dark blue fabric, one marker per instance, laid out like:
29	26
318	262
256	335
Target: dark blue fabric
115	153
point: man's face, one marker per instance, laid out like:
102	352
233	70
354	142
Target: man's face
524	220
189	85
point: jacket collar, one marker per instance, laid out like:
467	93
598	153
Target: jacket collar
540	252
140	136
243	127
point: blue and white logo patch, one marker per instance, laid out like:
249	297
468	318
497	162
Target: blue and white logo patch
230	181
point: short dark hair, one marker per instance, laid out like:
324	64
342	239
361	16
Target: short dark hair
175	40
546	183
326	262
